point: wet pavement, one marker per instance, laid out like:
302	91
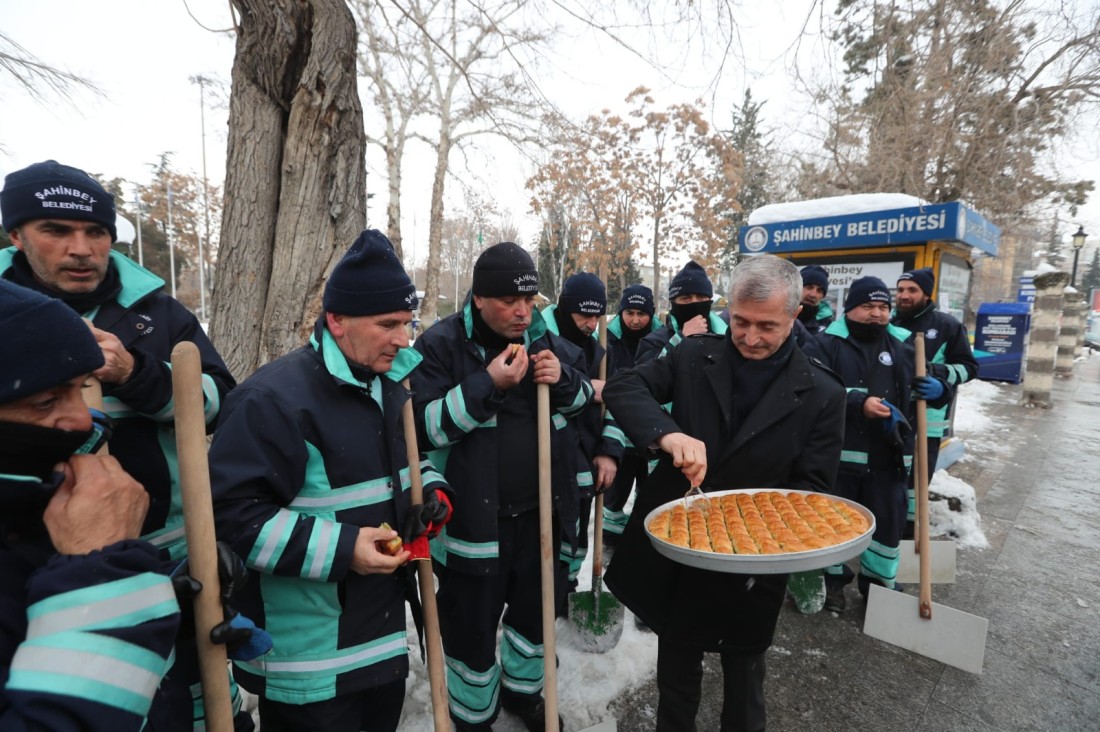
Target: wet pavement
1036	475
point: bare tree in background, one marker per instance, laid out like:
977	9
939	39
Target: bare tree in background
948	101
661	169
399	90
477	88
295	177
38	78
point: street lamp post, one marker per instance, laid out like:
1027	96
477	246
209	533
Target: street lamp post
1078	245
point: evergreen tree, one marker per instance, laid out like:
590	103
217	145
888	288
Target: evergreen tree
1091	279
758	186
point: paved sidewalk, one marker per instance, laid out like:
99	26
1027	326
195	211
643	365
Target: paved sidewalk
1038	488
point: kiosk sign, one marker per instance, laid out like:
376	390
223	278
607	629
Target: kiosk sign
871	229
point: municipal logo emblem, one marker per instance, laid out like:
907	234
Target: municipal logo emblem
756	238
885	359
931	334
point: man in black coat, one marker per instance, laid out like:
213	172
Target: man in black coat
761	415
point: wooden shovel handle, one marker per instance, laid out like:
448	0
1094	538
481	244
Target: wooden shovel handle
921	479
92	392
437	678
198	524
548	558
597	527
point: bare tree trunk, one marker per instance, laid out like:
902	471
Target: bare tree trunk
657	262
429	307
394	153
295	179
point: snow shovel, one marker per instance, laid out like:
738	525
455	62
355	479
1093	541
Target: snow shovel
942	556
951	636
437	679
548	558
198	525
597	617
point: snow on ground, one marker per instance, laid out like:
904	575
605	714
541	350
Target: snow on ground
979	431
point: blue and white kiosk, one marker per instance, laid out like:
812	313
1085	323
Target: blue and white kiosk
881	234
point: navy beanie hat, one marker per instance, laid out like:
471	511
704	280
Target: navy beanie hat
56	345
637	297
505	270
691	280
51	190
583	293
922	278
815	274
866	289
369	280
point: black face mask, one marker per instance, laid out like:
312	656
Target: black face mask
685	312
865	331
27	449
809	313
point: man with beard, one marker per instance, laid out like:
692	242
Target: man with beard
87	623
624	333
309	466
62	224
749	410
951	357
875	361
690	294
816	315
476	405
576	317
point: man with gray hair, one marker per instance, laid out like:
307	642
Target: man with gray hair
749	411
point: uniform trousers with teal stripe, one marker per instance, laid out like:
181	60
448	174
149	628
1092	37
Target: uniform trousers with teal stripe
470	612
884	493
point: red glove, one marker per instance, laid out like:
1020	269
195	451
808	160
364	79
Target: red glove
424	521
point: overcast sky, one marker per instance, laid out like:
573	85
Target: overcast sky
142	54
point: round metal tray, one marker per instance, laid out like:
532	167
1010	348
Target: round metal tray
762	563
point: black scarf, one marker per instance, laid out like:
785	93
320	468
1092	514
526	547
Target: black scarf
686	311
866	332
809	313
631	338
752	377
21	274
27	449
568	329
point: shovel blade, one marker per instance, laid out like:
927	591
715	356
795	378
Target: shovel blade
942	554
951	636
598	618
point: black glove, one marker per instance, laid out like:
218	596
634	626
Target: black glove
232	576
940	371
427	517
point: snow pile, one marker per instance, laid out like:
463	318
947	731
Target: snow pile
834	206
964	524
587	682
971	407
